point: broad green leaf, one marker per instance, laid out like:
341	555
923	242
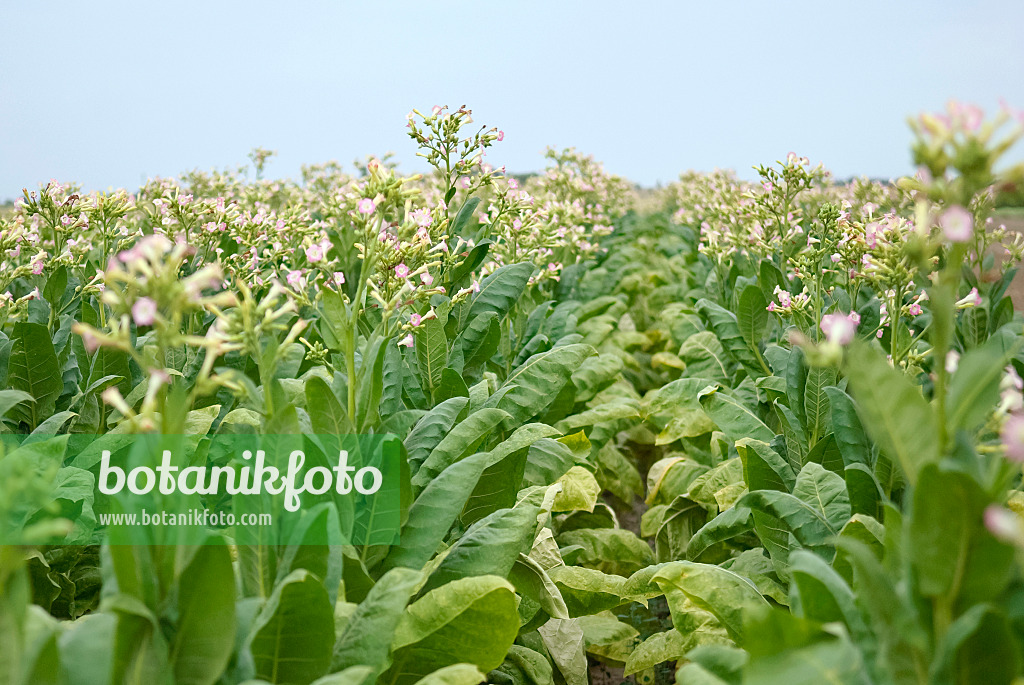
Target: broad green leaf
763	468
579	491
326	414
704	357
587	591
366	639
951	551
434	511
459	443
12	398
432	428
805	521
491	545
611	550
865	493
431	352
826	492
564	641
456	674
849	434
725	526
795	437
825	597
532	387
669	645
471	620
501	480
733	417
724	323
532	581
596	374
974	388
713	589
816	407
33	369
752	315
293	635
205	635
893	410
501	290
980	648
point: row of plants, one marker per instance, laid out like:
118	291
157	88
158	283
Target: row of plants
759	432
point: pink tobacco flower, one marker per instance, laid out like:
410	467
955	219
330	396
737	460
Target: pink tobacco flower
838	328
957	224
366	206
144	311
402	271
406	341
314	253
1012	436
1004	524
972	299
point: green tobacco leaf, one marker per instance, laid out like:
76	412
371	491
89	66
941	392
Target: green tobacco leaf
480	339
11	398
816	407
367	637
501	290
669	645
434	511
491	545
893	410
464	216
974	388
714	589
431	429
794	435
456	674
611	550
533	582
725	326
564	641
847	429
980	648
293	635
727	525
587	591
825	597
532	387
752	315
501	480
806	523
733	417
431	353
826	492
326	414
471	620
205	634
865	492
580	491
763	468
704	357
33	368
596	374
460	442
952	552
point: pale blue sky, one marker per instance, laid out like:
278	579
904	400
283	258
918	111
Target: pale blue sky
109	93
